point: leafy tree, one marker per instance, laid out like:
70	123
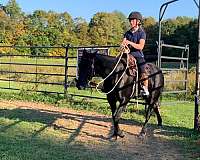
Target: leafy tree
67	32
3	20
13	9
187	34
105	29
169	27
151	29
123	19
81	30
49	28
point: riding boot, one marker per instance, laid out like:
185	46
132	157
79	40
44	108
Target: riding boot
144	84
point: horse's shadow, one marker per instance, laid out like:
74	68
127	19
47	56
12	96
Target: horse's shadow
48	118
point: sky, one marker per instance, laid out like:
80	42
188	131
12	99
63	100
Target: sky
87	8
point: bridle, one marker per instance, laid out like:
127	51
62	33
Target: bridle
93	68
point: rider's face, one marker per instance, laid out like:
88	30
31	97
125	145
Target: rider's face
134	23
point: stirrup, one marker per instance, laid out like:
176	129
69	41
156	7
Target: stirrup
144	91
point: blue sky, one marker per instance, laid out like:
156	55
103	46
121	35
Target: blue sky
87	8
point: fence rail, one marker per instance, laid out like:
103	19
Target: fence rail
34	71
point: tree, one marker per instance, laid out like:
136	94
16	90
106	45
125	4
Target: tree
105	29
67	33
13	10
81	30
187	34
151	29
123	19
3	20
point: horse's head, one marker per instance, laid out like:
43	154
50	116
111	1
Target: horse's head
85	69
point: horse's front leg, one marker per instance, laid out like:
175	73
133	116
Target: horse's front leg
116	115
112	102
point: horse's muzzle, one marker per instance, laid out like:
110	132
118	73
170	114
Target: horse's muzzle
79	86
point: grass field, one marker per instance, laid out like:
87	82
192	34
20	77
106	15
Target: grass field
30	133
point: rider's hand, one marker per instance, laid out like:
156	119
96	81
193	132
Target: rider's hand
124	42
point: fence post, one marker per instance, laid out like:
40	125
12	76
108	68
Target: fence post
66	69
197	87
196	113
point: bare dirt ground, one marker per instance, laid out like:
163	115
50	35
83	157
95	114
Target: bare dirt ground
94	129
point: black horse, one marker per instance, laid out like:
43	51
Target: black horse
119	85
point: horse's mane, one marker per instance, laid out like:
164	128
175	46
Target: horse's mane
103	55
107	57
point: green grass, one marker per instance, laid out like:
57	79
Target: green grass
28	134
22	140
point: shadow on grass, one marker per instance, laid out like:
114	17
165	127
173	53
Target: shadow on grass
48	118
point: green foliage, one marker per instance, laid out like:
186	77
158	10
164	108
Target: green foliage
13	9
48	28
81	30
105	29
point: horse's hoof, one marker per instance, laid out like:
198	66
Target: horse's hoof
142	135
159	125
113	137
121	134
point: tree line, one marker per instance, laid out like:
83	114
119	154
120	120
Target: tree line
49	28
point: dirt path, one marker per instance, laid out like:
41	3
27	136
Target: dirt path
94	129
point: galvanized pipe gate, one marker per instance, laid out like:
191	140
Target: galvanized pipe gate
197	88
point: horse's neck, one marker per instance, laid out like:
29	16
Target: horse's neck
104	65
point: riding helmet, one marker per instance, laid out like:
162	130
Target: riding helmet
135	15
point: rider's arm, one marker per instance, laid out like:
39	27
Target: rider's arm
138	46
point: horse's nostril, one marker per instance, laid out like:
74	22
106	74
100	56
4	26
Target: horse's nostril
81	88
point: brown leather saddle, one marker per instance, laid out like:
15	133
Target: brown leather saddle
132	64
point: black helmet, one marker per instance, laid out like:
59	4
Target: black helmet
135	15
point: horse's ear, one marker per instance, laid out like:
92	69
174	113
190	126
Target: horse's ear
84	53
93	54
89	54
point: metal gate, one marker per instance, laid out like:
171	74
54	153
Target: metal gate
56	74
175	68
38	72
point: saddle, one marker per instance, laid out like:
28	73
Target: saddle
132	65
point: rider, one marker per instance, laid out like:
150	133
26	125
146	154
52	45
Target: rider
135	40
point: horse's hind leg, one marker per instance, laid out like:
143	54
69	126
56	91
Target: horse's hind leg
149	110
156	110
147	117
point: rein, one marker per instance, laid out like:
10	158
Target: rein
123	49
